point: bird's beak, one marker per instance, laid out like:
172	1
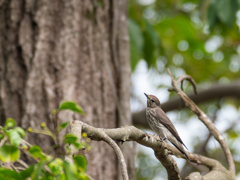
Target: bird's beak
146	95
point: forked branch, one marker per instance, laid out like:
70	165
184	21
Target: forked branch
162	149
203	117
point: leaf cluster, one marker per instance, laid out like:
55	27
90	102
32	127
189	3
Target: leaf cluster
46	166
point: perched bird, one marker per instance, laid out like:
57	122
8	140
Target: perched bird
161	124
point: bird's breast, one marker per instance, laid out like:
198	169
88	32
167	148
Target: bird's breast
155	125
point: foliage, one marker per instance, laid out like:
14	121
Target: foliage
69	105
197	36
46	166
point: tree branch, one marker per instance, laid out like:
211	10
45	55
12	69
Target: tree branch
162	149
208	123
216	91
78	126
130	133
76	129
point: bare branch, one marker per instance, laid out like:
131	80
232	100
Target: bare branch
162	149
25	165
216	91
101	134
119	154
130	133
208	123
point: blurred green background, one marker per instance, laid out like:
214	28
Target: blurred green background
195	37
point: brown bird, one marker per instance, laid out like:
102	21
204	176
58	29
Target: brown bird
161	124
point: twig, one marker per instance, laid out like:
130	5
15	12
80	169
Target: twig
3	141
216	91
76	129
22	163
24	144
118	152
208	123
162	149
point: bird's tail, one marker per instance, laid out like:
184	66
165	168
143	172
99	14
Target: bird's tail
181	150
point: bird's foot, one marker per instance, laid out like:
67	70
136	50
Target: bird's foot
147	135
162	138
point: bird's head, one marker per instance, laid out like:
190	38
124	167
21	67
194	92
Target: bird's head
152	101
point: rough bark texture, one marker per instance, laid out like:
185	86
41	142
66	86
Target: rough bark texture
52	51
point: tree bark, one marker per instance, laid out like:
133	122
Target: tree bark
52	51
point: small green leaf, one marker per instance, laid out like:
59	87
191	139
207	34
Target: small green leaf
9	153
82	176
72	139
69	105
36	152
27	172
80	161
56	166
14	137
233	134
10	123
20	131
38	171
7	174
69	173
62	126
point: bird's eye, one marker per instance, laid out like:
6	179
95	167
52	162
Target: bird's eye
152	101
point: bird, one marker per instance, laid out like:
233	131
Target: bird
162	125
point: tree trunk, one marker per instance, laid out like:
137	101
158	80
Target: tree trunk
55	50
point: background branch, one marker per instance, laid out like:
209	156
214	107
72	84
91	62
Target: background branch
208	123
216	91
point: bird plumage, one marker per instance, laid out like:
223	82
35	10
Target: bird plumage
161	124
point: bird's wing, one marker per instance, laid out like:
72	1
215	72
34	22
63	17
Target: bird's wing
164	120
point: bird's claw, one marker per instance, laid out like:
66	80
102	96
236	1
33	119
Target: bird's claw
147	136
162	138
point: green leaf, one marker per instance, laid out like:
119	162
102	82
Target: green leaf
20	131
82	176
226	10
14	137
72	139
62	126
69	173
38	171
211	16
10	123
70	105
27	172
9	153
36	152
7	174
233	134
56	166
80	161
